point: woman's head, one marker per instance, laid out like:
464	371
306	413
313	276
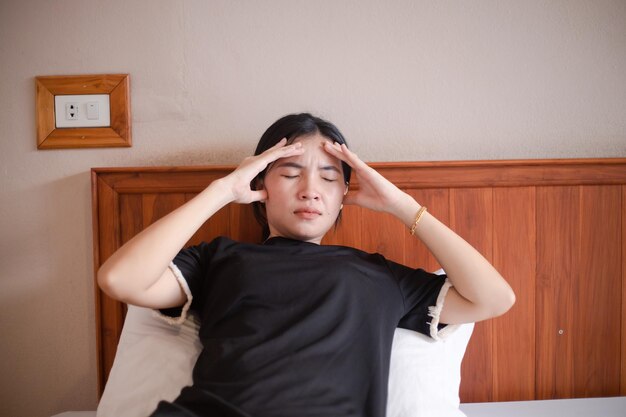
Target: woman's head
287	177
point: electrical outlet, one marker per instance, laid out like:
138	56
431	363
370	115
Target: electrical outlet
71	111
92	110
82	110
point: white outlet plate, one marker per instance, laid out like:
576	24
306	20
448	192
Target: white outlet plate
103	118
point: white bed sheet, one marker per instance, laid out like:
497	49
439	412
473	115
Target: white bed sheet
576	407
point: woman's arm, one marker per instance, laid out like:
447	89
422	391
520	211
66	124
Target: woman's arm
138	273
479	291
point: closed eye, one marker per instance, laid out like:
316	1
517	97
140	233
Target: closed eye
329	179
290	176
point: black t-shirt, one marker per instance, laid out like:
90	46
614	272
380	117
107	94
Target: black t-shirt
291	328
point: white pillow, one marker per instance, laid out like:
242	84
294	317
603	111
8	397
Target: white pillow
424	374
154	362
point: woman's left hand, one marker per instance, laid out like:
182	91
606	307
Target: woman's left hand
375	191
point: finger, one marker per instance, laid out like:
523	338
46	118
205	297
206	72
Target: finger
278	147
276	152
259	195
273	154
279	144
343	153
351	155
282	147
335	150
253	196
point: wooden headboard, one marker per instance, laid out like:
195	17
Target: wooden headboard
555	229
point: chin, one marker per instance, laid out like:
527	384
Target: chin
305	231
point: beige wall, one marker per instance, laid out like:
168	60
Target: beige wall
404	80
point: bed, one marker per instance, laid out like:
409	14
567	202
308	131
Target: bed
547	225
577	407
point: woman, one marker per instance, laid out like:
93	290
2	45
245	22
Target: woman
290	327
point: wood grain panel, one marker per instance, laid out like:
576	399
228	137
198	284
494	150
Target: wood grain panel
217	225
161	179
156	206
131	216
597	294
96	219
520	173
348	231
44	112
494	220
110	313
243	225
437	201
120	111
514	242
558	244
471	216
406	175
623	350
89	84
380	232
131	222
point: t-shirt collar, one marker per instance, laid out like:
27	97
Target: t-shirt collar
285	241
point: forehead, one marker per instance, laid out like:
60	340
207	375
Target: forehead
313	157
314	149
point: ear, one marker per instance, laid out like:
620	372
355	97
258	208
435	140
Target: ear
347	188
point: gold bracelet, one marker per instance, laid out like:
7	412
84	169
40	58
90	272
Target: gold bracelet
418	217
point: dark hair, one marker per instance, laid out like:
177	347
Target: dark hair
292	127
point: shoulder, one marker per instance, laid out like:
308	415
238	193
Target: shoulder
207	250
224	242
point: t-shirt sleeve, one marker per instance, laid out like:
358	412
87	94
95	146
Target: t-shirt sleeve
423	294
190	267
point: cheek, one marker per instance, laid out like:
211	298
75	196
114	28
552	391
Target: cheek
277	202
273	188
335	199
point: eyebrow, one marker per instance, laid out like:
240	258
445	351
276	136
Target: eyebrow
298	166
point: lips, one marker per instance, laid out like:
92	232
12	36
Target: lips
307	213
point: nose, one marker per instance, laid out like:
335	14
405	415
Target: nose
308	189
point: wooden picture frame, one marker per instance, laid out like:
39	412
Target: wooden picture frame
115	85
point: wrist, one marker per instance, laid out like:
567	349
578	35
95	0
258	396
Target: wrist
405	209
220	192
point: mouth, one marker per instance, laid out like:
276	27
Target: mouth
307	213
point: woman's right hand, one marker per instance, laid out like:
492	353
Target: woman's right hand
237	183
137	273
